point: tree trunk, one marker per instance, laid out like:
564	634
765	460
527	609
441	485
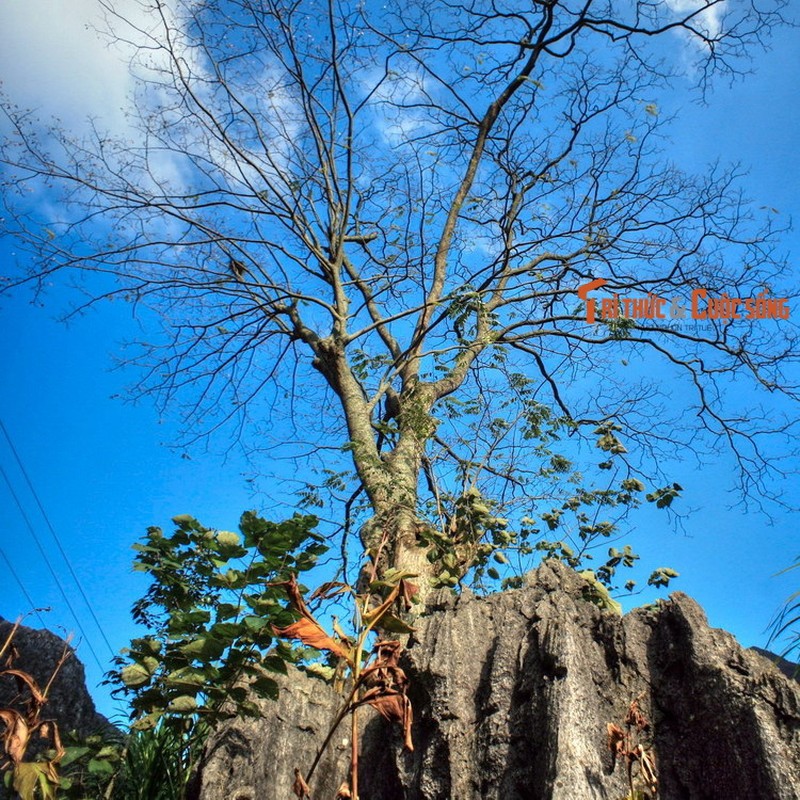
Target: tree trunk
390	479
392	537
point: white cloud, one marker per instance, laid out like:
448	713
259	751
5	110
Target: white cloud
54	61
708	21
61	65
399	98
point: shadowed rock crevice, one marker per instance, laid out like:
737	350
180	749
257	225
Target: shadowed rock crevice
720	711
512	694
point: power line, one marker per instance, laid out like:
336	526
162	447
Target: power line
50	567
55	537
22	586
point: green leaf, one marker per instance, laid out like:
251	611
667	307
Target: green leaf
73	754
146	644
203	647
226	611
633	485
392	624
255	623
662	576
599	593
100	767
265	687
274	663
228	538
28	775
184	704
147	722
225	630
185	677
322	670
151	664
135	675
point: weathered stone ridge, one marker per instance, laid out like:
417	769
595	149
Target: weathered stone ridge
512	695
69	702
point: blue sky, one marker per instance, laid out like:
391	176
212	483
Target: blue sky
101	468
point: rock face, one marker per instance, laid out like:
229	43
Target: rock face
788	668
512	696
69	702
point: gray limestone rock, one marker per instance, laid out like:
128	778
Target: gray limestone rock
512	695
69	702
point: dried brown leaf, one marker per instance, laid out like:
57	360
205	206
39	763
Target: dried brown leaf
648	769
383	671
310	633
635	717
330	589
391	706
343	792
373	616
388	652
407	592
48	729
16	735
395	707
8	646
386	678
300	787
65	655
26	680
295	595
386	687
307	629
12	654
616	739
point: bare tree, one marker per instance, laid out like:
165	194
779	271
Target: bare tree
382	214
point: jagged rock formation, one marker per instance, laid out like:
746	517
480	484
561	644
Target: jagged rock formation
512	694
69	702
788	668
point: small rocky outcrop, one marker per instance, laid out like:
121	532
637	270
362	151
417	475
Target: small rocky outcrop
788	668
512	695
69	702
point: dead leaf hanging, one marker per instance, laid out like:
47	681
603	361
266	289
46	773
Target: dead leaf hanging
300	787
307	629
11	656
407	592
639	760
330	589
635	717
25	680
311	634
395	708
386	686
616	739
16	735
